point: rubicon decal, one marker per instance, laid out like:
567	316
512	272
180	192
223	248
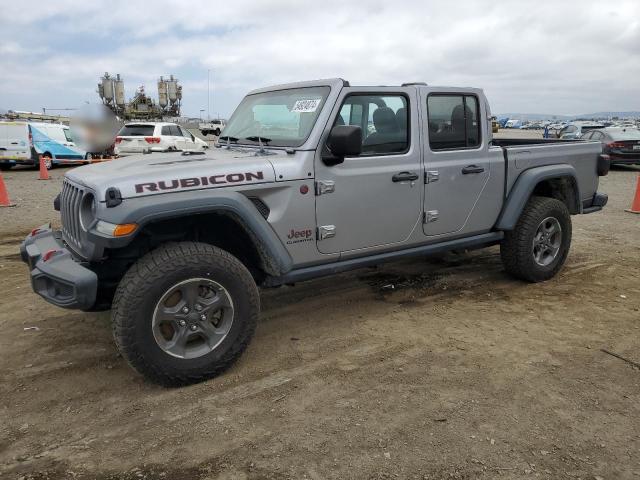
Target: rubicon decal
299	236
191	182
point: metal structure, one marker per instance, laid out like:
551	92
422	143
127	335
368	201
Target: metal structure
141	106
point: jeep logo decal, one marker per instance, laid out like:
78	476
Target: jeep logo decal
298	236
198	181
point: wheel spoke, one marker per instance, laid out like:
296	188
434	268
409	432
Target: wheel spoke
178	344
213	304
190	294
213	334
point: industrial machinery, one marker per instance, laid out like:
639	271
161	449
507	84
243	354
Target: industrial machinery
141	106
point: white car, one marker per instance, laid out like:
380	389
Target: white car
156	137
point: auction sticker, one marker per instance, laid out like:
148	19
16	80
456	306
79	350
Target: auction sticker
305	106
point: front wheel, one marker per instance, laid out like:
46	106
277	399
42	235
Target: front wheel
536	249
184	313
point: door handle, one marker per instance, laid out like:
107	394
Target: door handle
472	169
14	143
405	177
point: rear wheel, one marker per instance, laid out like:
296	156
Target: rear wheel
537	247
88	157
184	313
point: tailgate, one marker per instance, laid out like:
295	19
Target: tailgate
133	144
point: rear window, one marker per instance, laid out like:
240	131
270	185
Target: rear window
136	131
627	134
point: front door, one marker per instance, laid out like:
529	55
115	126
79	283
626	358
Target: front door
456	162
372	200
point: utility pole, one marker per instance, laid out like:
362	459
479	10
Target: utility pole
208	94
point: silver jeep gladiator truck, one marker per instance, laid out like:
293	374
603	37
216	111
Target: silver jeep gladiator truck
309	179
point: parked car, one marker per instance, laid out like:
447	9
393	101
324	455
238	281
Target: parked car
214	127
577	130
301	190
22	143
156	137
621	144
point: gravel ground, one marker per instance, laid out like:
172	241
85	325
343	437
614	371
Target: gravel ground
458	371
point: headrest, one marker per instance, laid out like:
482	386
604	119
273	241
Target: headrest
384	120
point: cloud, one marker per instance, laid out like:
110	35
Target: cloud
529	56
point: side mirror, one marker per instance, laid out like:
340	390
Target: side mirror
343	141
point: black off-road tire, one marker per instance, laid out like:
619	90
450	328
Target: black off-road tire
144	284
516	248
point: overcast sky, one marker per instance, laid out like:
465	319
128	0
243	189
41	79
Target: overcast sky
559	57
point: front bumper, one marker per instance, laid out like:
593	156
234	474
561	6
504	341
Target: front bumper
59	279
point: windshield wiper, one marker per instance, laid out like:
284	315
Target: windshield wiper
257	138
229	139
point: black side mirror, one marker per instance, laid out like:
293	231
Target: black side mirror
343	141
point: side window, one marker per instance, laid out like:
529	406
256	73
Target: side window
175	130
166	130
184	132
67	135
384	120
453	121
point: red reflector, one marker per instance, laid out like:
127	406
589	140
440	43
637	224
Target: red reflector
152	139
615	145
304	189
118	139
50	253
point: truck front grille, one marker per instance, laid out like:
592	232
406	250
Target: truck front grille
70	199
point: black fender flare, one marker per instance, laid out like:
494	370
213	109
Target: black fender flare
152	208
524	186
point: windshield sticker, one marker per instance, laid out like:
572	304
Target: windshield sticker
305	106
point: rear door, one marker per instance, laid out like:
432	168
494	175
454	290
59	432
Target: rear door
14	141
459	165
371	201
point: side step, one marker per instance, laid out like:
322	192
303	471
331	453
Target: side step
316	271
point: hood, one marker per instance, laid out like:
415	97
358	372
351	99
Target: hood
157	173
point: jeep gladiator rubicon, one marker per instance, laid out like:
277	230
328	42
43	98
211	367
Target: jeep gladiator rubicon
309	179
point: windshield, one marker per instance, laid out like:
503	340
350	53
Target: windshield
281	118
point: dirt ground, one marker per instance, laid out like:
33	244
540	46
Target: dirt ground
426	369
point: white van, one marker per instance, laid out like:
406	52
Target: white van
21	143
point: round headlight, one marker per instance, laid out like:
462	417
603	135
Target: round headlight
88	209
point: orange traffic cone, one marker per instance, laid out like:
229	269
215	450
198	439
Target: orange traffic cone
4	195
635	205
44	174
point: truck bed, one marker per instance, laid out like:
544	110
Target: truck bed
524	153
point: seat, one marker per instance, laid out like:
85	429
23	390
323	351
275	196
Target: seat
387	137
